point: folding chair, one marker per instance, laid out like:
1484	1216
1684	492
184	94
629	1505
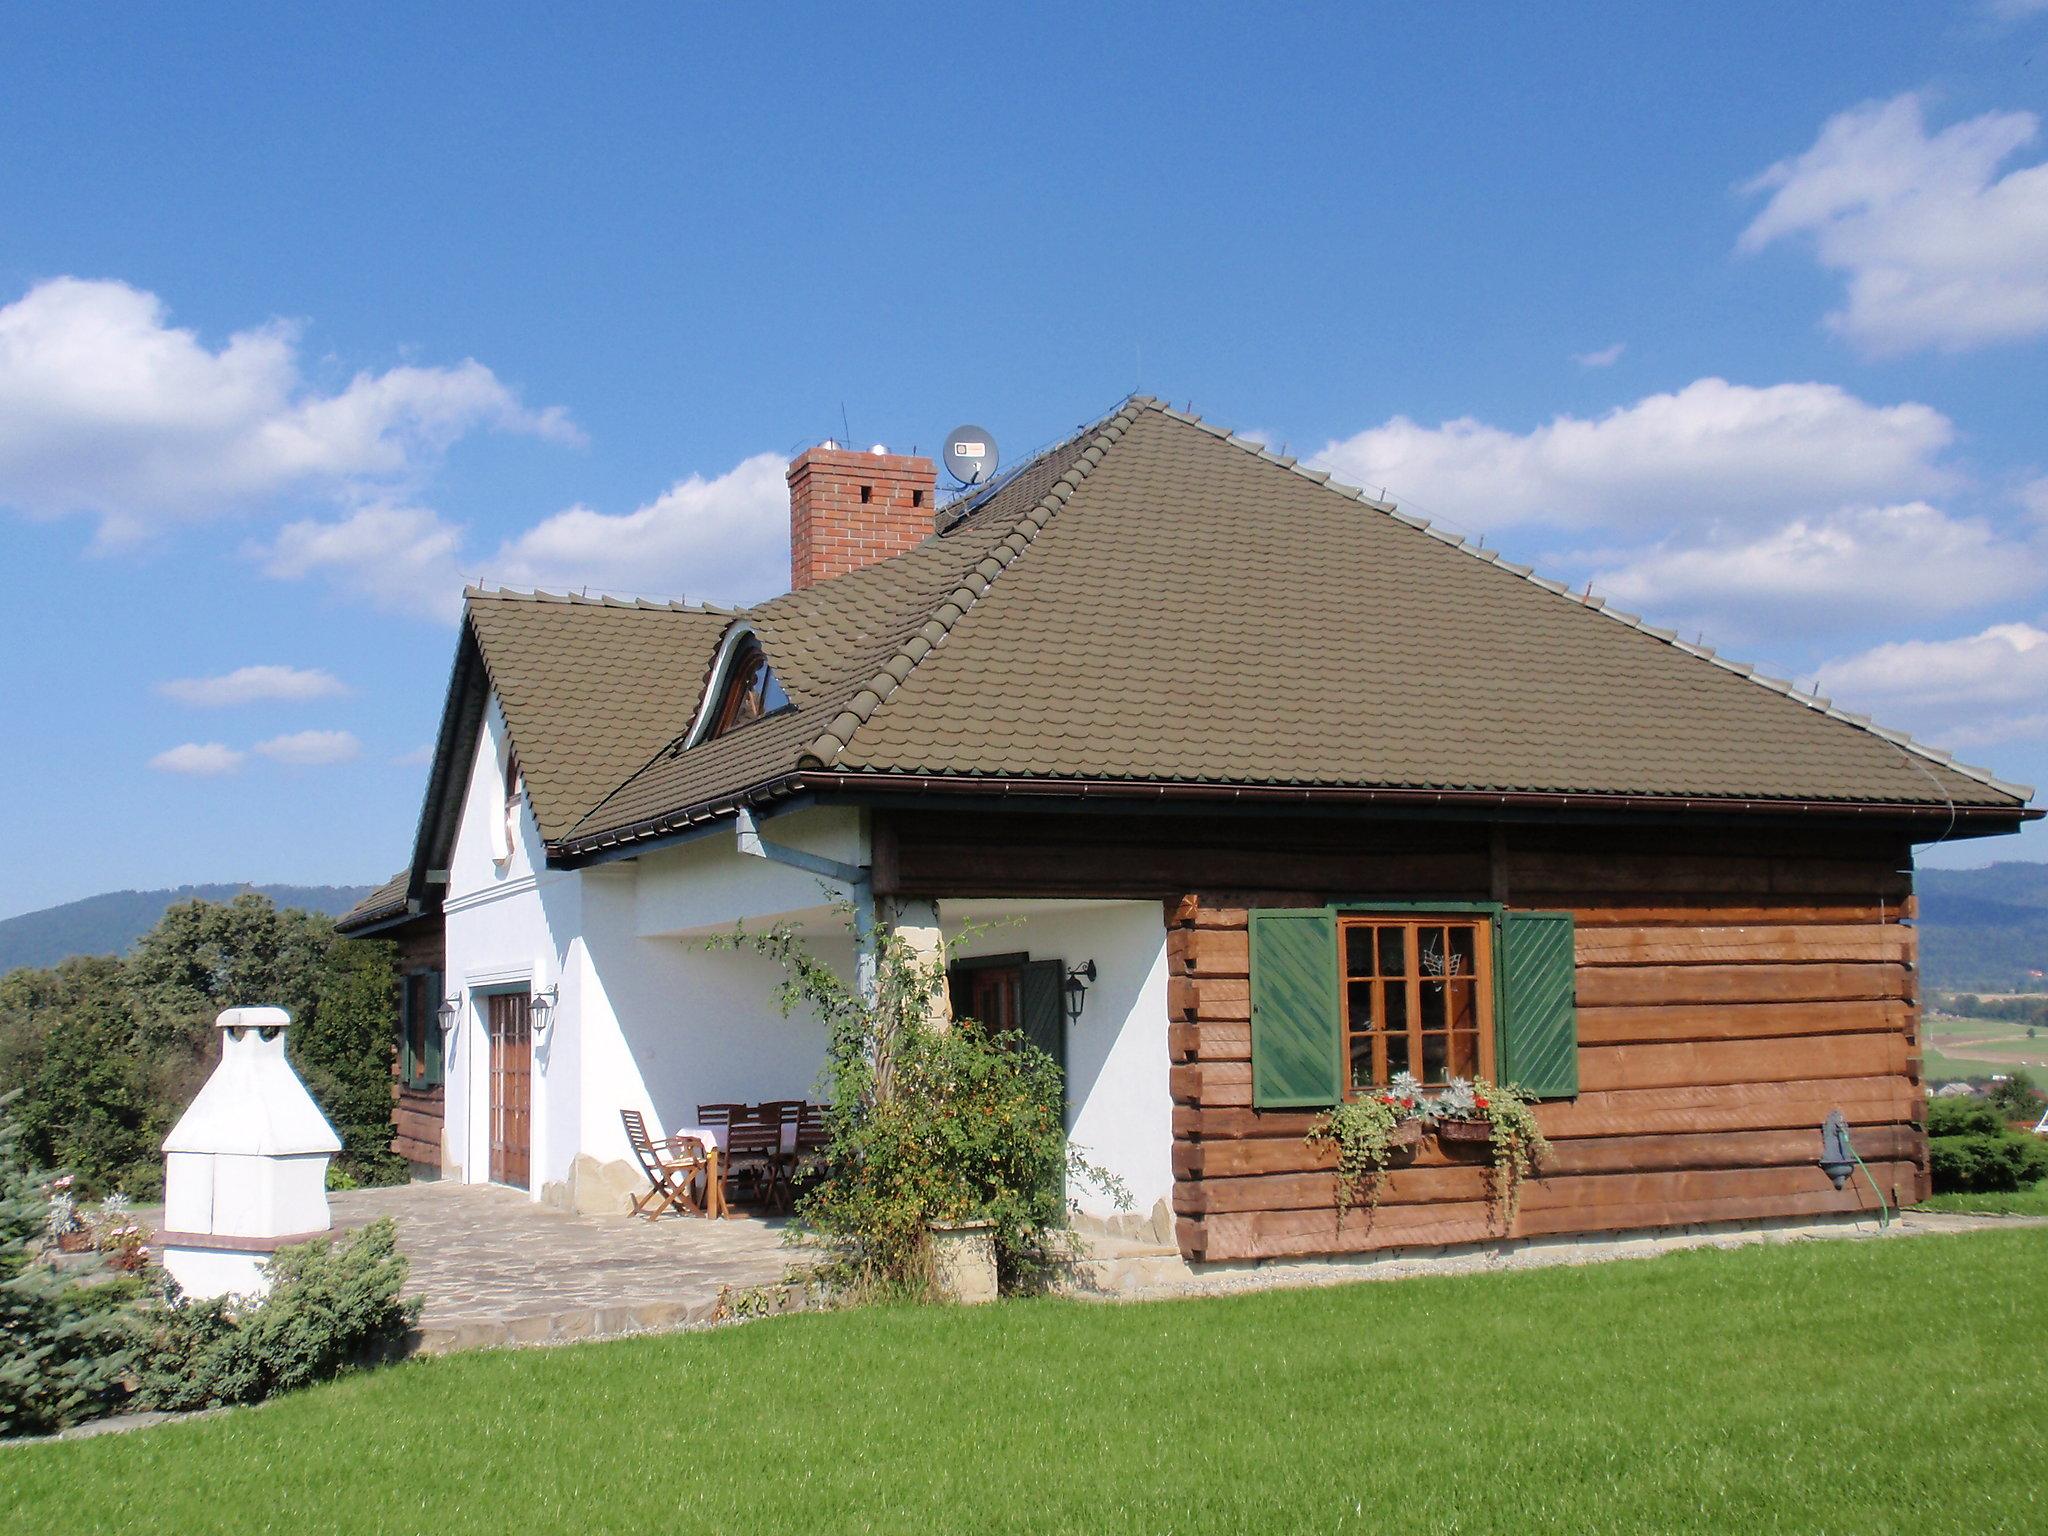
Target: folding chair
670	1164
753	1151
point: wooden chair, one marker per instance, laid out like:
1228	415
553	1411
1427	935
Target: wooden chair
811	1135
753	1153
670	1164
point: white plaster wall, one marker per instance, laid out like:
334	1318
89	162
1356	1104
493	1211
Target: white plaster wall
670	1024
705	886
511	926
1119	1098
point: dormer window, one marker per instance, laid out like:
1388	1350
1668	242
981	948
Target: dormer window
505	829
751	689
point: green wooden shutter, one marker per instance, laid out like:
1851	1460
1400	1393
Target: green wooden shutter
1297	1040
1539	1025
408	1069
433	1029
1044	1009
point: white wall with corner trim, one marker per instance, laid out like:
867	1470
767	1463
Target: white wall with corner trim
1119	1092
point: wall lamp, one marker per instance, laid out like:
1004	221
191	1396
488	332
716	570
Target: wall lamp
543	1007
1076	986
447	1014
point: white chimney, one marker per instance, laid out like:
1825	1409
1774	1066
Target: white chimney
245	1169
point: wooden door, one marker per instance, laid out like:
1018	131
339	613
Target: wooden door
509	1018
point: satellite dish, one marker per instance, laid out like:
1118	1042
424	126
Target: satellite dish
970	454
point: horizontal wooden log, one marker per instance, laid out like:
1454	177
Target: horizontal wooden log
1878	1136
1592	909
1218	952
1674	874
1221	998
1579	1172
1600	986
1715	1107
1705	1063
1633	1024
1746	943
1221	1082
1655	1200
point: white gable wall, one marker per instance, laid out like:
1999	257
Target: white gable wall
650	1017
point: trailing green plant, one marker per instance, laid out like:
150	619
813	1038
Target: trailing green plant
925	1124
67	1332
331	1307
1515	1141
1518	1146
1364	1130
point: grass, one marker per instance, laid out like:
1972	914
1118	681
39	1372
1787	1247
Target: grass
1957	1046
2022	1202
1844	1387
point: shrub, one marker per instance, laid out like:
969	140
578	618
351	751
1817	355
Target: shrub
925	1125
1963	1117
2014	1098
331	1307
66	1335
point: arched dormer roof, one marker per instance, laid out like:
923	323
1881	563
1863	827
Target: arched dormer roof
741	687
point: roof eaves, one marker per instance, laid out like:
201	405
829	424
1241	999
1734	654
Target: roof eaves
826	748
1900	739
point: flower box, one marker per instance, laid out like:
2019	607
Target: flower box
1405	1137
1465	1133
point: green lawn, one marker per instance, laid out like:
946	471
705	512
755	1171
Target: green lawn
1843	1387
2023	1202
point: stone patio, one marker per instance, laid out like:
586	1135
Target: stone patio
497	1269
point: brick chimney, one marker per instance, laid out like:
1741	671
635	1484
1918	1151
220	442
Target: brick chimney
848	509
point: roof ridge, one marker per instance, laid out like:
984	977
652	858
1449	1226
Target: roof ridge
1813	701
837	736
477	593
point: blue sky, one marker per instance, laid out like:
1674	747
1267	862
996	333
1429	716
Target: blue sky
1740	314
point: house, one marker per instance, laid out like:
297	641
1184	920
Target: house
1320	791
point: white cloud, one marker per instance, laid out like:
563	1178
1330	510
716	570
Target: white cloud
1606	357
1907	561
726	538
2008	11
1713	451
1971	691
1937	249
309	749
252	685
403	559
107	410
202	759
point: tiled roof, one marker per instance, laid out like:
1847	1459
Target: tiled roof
591	687
1155	600
386	901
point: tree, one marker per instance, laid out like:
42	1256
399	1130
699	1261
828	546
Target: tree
66	1342
344	1053
2014	1098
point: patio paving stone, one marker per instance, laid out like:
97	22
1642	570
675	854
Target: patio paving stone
497	1269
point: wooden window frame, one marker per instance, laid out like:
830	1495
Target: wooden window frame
746	674
1410	918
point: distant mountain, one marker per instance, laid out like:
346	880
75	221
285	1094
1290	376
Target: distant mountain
108	924
1982	930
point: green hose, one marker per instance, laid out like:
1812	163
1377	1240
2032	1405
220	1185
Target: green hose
1884	1211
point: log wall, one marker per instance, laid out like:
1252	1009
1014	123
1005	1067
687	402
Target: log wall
1734	985
417	1114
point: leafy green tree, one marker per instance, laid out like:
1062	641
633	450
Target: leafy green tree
207	955
343	1051
66	1338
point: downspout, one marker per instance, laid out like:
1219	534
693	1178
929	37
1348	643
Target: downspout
858	880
